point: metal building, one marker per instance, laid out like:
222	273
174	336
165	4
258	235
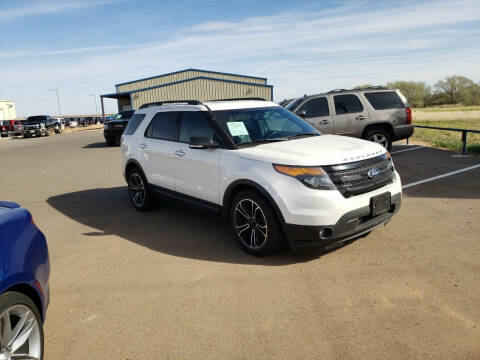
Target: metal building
192	84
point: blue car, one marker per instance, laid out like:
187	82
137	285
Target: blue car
24	291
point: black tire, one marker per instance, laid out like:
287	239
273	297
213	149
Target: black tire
12	298
381	135
111	142
137	184
4	135
267	235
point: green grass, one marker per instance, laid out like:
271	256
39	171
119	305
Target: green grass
448	109
449	139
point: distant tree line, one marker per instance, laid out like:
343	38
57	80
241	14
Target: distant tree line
451	90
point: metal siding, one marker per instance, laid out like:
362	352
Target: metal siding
200	89
142	84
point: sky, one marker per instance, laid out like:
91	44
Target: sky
85	47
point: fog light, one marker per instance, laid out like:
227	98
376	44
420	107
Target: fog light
325	233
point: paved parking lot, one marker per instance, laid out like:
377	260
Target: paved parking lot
174	284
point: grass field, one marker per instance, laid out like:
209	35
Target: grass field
454	117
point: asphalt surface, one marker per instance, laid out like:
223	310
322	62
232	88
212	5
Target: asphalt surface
174	284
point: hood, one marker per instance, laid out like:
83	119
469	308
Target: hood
313	151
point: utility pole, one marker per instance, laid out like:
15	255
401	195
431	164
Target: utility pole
58	101
95	99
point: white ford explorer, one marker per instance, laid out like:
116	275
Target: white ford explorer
274	176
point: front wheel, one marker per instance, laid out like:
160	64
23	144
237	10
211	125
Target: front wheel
139	190
21	333
255	224
381	137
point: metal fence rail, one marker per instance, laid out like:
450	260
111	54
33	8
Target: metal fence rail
463	131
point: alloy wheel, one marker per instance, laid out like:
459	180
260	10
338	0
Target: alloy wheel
19	334
379	139
250	224
136	187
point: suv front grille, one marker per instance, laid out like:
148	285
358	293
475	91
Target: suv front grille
354	179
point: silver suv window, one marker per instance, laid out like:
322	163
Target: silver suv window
347	104
315	107
384	100
164	126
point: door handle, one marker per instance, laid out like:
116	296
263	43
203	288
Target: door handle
360	117
325	122
143	145
180	153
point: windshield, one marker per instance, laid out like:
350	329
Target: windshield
124	115
248	126
35	119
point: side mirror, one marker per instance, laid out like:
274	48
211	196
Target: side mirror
202	142
302	114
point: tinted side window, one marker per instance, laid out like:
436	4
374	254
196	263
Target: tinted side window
315	107
194	123
345	104
164	125
384	100
134	123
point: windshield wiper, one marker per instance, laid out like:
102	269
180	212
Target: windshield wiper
271	139
303	134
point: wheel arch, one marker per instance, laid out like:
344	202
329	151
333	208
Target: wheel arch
32	294
240	185
384	126
132	163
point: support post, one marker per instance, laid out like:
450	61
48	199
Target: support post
103	108
464	141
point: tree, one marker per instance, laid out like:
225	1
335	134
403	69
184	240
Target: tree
418	93
456	87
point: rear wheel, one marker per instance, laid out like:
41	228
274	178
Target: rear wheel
21	333
381	137
255	224
138	190
111	142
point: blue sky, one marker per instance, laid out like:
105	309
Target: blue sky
84	47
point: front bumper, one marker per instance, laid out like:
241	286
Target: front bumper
29	132
351	225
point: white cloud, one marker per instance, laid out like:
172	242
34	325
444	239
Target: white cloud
299	52
44	8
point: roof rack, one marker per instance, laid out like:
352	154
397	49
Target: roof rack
359	89
235	99
160	103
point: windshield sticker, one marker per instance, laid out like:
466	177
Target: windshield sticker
237	128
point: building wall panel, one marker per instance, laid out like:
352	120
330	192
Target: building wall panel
164	79
200	89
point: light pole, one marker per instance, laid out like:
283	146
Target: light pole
95	99
58	101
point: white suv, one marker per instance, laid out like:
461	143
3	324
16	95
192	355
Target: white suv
273	175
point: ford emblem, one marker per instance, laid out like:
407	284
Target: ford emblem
373	172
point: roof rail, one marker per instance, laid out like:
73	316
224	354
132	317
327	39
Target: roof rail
336	90
160	103
379	87
235	99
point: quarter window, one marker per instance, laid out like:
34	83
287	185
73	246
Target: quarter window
134	123
164	125
315	107
194	123
384	100
346	104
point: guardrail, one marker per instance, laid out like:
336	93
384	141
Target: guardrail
463	131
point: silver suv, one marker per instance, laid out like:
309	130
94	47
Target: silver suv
376	113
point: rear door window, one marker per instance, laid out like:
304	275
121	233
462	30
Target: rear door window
164	126
134	123
315	107
384	100
347	104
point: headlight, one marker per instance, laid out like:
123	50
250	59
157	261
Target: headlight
312	177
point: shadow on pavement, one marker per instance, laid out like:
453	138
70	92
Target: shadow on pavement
170	228
96	145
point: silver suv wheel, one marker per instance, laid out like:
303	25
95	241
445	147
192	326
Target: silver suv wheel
136	187
379	139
